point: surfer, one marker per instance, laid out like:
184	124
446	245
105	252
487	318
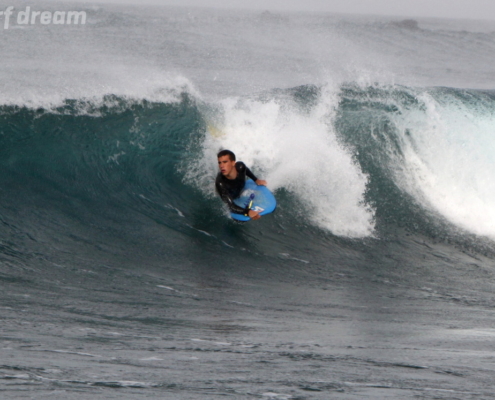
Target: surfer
231	180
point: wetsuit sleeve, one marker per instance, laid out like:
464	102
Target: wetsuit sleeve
250	174
241	167
225	196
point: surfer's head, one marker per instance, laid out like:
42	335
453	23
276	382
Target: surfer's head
226	162
226	153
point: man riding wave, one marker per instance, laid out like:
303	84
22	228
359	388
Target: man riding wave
231	180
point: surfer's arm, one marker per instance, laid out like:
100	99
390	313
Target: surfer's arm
241	167
226	198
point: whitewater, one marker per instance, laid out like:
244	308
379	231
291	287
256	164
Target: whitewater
122	275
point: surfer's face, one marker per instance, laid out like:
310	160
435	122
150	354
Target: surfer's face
225	164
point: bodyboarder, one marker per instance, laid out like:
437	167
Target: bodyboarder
231	180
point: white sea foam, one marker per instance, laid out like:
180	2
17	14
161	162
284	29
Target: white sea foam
297	151
448	161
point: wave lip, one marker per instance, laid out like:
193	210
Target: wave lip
450	156
433	148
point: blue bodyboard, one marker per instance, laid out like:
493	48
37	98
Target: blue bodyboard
261	196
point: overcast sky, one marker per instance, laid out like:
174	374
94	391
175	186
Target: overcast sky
472	9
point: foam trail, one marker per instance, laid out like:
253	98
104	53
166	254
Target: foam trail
297	150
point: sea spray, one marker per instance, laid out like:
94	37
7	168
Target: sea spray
428	151
294	146
448	157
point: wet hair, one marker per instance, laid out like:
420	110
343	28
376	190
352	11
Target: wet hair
226	153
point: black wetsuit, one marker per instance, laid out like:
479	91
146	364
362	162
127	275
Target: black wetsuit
230	189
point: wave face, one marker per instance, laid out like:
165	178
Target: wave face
350	161
360	141
104	157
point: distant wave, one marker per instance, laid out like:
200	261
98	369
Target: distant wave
411	24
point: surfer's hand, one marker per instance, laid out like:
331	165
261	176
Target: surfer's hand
254	214
261	182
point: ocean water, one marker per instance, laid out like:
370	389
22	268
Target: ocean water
121	274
